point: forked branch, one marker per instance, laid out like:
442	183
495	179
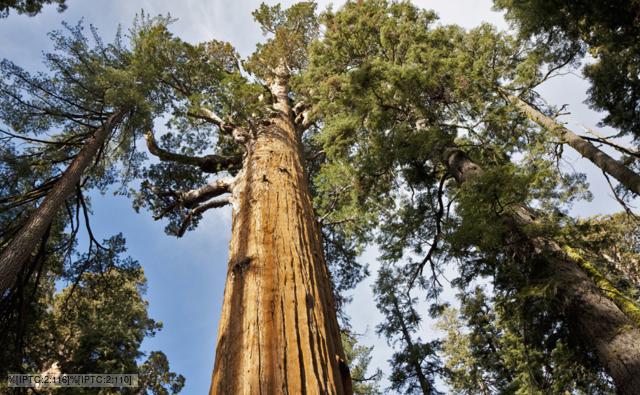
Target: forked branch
189	204
193	198
215	203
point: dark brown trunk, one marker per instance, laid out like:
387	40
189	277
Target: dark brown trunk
601	323
278	333
606	163
21	247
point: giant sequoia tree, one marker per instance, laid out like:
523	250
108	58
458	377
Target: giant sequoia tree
384	127
278	331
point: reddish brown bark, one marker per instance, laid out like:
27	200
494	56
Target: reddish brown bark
278	333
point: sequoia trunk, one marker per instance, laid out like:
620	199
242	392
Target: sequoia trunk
278	333
20	248
606	163
597	319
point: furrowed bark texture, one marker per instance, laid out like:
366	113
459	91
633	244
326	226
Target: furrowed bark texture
20	248
278	333
606	163
600	323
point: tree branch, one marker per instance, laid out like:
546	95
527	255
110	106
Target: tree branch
619	199
201	209
436	238
34	140
194	197
209	116
207	163
604	140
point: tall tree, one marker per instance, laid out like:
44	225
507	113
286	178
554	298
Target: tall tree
606	322
93	96
395	93
96	324
414	365
278	331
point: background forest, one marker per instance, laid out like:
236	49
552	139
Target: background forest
473	170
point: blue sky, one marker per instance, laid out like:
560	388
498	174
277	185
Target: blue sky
186	276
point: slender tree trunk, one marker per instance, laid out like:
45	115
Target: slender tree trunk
606	163
20	248
278	333
597	319
425	385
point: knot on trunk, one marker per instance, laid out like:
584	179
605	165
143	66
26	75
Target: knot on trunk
239	266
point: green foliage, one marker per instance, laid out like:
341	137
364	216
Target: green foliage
612	242
491	348
47	119
29	7
55	112
101	333
395	93
608	30
94	325
156	378
290	32
97	323
195	79
608	250
391	92
358	358
414	365
463	374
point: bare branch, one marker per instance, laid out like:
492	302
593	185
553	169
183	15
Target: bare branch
207	163
34	140
34	194
620	199
192	198
195	196
210	116
201	209
604	140
85	213
436	238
